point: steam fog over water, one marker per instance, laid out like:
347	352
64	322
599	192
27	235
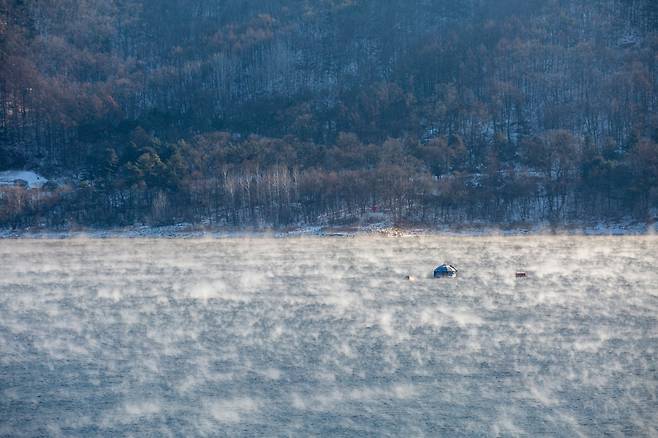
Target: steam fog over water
324	336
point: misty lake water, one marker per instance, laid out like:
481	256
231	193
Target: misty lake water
324	336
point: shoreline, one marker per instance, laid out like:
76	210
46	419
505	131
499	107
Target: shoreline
190	231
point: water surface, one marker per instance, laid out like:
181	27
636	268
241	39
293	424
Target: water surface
324	336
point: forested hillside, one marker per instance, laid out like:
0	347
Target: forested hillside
244	112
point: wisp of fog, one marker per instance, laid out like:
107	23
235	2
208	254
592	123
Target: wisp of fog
325	336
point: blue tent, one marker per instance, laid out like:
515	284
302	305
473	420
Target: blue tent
445	270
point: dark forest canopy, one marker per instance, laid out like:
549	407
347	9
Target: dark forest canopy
290	111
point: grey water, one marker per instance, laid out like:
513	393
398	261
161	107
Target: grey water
325	337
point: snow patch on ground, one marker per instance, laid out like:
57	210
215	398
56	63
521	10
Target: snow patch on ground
33	180
191	231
